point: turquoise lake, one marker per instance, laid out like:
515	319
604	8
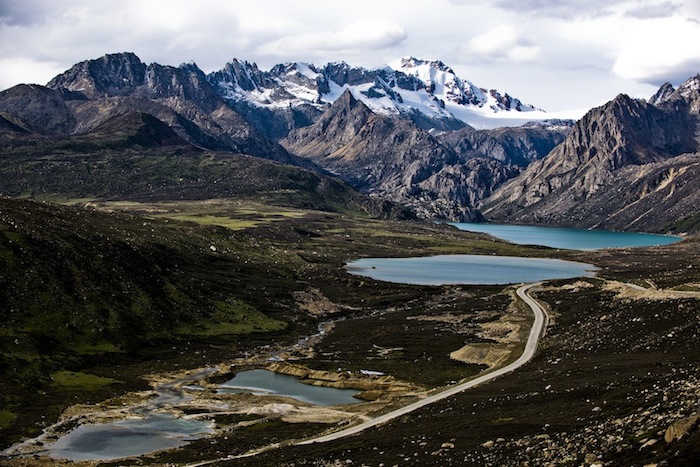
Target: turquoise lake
572	239
468	269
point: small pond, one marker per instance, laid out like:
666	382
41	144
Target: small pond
468	269
572	239
264	382
131	437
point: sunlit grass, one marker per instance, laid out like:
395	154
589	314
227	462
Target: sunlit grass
231	214
76	379
203	219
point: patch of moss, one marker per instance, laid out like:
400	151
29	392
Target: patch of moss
96	348
6	419
233	224
232	319
85	381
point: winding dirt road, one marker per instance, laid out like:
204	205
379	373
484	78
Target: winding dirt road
530	347
529	351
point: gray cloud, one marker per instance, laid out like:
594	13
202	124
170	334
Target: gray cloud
525	47
654	10
564	9
29	12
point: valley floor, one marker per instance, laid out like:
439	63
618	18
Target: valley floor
616	369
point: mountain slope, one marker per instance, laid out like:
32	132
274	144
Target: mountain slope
137	157
394	159
518	146
582	182
136	128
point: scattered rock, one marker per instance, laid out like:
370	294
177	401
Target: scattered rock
681	428
649	443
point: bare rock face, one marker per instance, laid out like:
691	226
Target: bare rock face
517	146
111	75
618	158
43	109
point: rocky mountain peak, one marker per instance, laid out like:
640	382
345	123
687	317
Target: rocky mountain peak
691	86
414	62
238	74
111	75
662	95
123	74
611	143
426	92
690	92
687	95
191	67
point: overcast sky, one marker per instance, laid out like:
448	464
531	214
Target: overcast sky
554	54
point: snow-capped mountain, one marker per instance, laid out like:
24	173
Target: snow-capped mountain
427	92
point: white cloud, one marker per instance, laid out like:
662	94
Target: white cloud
353	38
502	43
564	49
24	70
668	51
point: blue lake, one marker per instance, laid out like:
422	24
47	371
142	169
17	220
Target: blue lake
572	239
468	269
264	382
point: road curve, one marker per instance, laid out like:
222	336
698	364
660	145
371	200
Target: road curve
530	347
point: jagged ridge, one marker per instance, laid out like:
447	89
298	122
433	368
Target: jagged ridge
427	92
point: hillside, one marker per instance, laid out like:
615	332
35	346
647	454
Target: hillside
137	157
83	291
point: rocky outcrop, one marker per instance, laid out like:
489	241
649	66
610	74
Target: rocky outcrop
44	110
373	387
519	146
619	168
681	428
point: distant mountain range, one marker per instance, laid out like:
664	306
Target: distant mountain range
427	92
244	110
400	133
